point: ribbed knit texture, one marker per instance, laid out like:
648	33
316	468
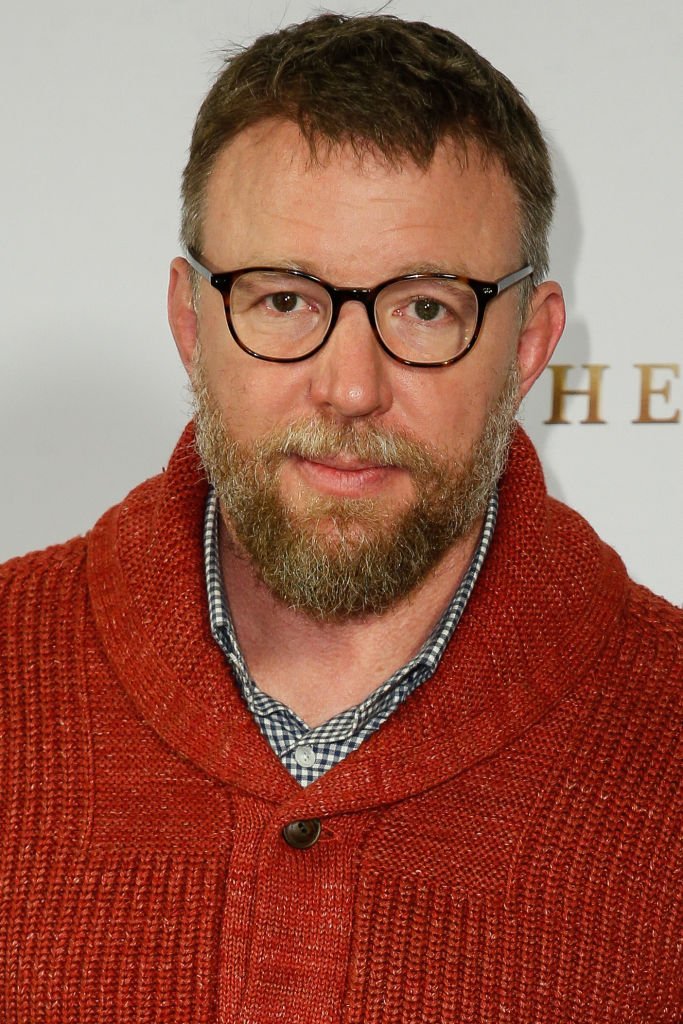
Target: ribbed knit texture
506	848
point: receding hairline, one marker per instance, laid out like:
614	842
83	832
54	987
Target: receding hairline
460	141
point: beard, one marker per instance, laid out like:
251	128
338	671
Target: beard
337	559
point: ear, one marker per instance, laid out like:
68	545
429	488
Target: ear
182	316
541	332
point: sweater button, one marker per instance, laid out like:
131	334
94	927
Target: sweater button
302	834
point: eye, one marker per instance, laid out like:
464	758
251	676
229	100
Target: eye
415	311
286	302
426	308
439	304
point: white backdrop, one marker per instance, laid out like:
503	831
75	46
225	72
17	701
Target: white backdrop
98	101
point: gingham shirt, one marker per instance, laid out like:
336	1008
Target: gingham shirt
307	753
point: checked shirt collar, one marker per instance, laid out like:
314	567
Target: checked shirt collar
307	753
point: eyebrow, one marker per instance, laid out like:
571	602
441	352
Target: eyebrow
405	270
432	268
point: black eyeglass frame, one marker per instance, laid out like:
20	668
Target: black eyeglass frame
485	292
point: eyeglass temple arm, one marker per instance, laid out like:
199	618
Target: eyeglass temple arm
196	265
510	279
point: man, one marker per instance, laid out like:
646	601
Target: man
368	729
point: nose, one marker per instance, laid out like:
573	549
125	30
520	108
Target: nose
350	375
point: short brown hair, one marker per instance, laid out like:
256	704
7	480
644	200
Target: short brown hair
383	85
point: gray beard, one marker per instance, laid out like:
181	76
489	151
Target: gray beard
345	558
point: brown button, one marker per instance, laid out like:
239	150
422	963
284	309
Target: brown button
302	834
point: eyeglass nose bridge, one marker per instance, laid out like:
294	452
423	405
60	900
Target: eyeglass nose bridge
340	296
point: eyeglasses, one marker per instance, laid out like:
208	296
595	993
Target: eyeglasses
285	316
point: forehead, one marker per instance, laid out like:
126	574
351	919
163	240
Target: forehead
270	200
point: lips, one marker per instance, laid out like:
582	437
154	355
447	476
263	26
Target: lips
344	475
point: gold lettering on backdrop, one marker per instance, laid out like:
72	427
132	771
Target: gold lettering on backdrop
647	391
592	392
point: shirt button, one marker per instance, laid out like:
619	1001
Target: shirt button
305	756
302	834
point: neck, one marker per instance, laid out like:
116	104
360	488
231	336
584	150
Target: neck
321	668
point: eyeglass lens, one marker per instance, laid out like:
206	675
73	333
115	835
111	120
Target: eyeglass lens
284	316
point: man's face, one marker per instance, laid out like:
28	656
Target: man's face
352	448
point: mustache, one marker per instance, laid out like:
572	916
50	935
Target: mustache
317	438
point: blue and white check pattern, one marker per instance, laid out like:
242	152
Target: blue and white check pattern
307	753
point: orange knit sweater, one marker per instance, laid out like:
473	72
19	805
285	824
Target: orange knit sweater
505	849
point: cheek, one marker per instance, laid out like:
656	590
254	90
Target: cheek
463	398
447	411
255	397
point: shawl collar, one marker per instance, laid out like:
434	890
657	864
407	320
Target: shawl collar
546	602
